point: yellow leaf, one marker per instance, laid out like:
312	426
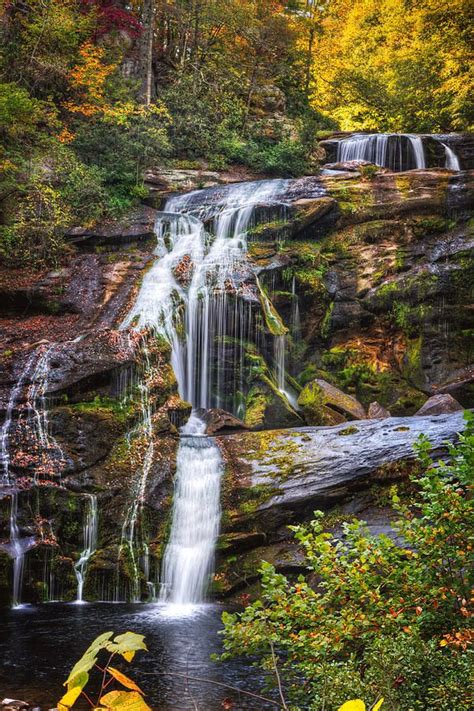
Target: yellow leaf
443	643
378	705
69	698
128	656
354	705
124	700
123	679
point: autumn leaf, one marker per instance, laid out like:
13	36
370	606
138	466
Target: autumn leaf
123	679
124	700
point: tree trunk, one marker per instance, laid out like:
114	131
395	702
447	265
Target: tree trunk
146	51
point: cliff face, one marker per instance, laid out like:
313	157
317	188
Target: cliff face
367	276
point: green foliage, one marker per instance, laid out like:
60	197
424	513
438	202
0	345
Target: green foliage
125	645
120	153
374	617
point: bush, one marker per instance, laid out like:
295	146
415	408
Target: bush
122	152
372	617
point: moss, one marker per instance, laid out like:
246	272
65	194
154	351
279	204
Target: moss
348	431
326	322
272	318
121	410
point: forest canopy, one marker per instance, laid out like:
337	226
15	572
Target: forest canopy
93	92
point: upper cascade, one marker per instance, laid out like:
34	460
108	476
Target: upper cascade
187	295
396	151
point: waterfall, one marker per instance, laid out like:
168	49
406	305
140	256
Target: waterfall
397	151
189	554
188	295
128	543
7	424
195	297
90	543
452	161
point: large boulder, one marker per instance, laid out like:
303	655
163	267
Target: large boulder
276	477
324	404
439	405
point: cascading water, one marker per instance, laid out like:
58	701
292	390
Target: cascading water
90	543
397	151
189	298
128	543
7	424
452	161
189	554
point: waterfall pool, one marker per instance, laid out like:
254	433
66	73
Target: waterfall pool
40	644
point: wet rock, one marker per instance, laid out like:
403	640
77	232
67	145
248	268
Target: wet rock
377	412
350	166
89	362
177	410
276	477
217	419
313	214
162	182
323	403
138	226
15	705
439	405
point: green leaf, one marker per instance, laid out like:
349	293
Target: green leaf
127	644
124	700
84	664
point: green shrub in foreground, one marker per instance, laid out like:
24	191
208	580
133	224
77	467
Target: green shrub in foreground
372	618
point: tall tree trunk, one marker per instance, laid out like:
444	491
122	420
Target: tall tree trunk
146	51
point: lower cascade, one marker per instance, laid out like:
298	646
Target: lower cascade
189	554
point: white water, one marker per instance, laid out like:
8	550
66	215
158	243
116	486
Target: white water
128	543
7	424
90	543
188	560
194	319
16	549
452	161
384	149
194	315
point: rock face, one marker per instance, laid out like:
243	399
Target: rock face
138	227
217	420
439	405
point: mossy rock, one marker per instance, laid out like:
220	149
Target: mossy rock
324	404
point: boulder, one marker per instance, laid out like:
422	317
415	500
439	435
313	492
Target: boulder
313	213
324	404
276	477
377	412
217	419
439	405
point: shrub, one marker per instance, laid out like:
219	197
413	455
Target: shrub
374	617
